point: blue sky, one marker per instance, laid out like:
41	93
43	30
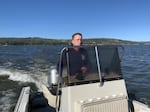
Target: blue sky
59	19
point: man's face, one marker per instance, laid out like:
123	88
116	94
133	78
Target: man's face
77	40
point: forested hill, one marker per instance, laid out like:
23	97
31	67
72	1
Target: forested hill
43	41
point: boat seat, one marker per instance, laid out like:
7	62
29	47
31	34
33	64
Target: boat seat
38	103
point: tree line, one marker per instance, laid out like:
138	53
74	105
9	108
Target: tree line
43	41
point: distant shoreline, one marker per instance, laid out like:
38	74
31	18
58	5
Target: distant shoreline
43	41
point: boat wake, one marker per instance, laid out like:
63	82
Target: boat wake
24	77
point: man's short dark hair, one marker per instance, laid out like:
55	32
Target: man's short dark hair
76	34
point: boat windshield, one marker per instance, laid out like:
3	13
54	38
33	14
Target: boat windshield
89	64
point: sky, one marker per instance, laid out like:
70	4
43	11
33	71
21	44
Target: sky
59	19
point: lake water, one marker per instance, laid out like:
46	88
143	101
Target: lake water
29	66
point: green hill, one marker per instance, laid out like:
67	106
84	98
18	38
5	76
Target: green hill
43	41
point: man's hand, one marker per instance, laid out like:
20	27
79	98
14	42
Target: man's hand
84	70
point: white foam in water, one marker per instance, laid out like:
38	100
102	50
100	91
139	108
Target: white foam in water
22	76
16	76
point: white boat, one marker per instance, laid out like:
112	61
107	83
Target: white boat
102	89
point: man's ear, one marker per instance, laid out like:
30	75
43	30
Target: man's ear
71	43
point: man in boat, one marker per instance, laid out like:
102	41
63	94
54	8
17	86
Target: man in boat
78	58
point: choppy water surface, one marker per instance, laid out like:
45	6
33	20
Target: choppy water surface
136	71
29	66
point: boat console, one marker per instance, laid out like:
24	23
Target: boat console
101	84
